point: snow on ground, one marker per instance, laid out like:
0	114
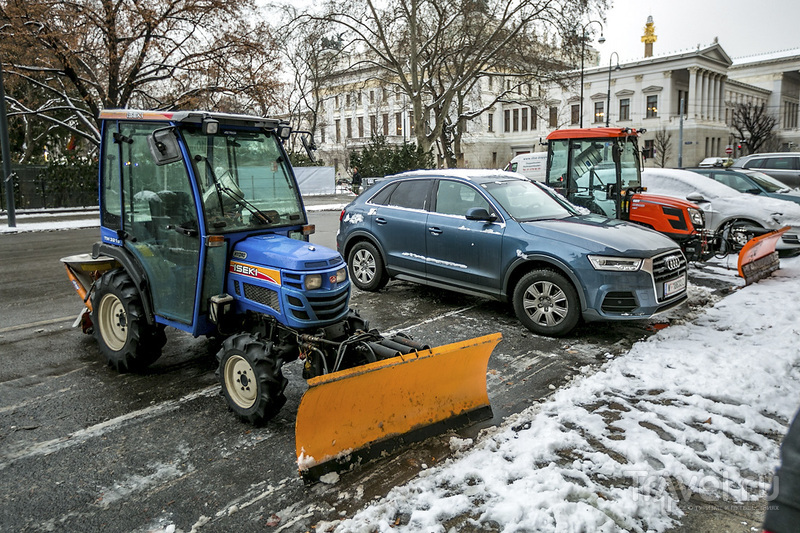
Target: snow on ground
50	221
700	407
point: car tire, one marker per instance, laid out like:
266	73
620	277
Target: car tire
546	303
365	267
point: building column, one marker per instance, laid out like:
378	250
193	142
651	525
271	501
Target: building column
692	93
715	97
704	95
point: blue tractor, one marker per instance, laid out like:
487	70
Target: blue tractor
203	229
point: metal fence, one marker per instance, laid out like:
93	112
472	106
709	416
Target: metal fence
43	186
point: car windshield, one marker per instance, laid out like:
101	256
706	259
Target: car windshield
244	180
768	183
525	201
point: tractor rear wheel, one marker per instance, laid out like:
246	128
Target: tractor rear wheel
127	341
251	378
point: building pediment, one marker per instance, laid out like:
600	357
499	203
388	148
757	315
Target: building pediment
599	96
573	99
624	92
652	89
716	53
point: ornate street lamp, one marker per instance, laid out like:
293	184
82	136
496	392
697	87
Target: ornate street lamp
608	104
601	40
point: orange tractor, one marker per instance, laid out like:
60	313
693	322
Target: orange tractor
599	169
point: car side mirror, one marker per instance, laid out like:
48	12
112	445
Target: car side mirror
696	197
164	146
753	191
480	213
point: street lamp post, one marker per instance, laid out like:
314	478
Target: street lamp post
608	100
601	40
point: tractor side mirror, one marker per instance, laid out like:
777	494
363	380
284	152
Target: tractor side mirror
480	213
309	145
611	191
164	146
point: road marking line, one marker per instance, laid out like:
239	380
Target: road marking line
37	324
434	319
83	435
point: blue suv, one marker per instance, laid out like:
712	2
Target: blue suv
495	234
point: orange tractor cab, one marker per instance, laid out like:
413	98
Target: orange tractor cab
599	169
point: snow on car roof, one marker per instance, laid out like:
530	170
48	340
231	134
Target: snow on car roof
480	174
683	182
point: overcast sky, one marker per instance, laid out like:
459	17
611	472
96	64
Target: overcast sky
744	27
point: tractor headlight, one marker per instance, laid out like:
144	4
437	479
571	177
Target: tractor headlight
341	275
698	220
617	264
313	281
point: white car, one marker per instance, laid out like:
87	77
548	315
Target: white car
723	205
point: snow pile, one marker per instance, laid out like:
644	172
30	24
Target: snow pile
699	407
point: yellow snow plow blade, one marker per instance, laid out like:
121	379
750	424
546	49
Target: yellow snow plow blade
758	258
359	413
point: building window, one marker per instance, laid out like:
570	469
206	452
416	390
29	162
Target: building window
372	97
524	119
336	101
338	131
599	112
516	120
347	100
685	96
490	83
373	125
410	123
652	106
398	124
649	150
506	121
360	126
625	109
533	118
790	118
322	135
494	159
386	124
553	122
358	97
575	114
349	127
491	121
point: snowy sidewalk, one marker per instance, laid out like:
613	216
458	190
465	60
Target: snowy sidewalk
698	408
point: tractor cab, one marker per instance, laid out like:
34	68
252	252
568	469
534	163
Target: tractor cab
596	168
179	190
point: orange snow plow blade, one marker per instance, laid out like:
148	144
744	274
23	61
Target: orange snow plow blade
758	258
359	413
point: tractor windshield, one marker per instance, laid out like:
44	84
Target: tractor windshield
244	179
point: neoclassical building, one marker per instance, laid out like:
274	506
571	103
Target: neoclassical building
645	93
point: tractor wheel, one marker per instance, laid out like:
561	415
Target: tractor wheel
251	378
546	303
366	267
128	342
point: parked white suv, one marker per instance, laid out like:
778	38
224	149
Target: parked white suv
783	166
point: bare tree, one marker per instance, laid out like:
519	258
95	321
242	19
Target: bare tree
662	143
434	51
753	125
87	55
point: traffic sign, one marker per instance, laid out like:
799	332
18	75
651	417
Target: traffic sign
729	150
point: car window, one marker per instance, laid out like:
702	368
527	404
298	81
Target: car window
411	194
780	163
382	198
734	181
454	198
755	163
768	183
525	201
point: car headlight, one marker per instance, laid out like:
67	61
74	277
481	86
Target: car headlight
341	275
698	220
617	264
313	281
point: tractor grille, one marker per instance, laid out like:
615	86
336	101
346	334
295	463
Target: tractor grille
667	268
619	302
262	295
325	307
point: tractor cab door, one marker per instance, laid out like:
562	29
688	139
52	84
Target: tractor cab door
152	210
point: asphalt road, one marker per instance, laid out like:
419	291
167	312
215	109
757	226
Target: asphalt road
83	448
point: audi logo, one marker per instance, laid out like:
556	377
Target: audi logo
673	262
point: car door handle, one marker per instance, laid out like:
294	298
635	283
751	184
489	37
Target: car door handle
435	231
380	220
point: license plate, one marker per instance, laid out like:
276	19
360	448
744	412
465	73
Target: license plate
675	286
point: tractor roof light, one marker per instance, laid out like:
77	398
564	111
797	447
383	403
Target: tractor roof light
210	126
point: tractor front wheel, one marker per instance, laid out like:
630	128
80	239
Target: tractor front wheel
251	378
128	342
